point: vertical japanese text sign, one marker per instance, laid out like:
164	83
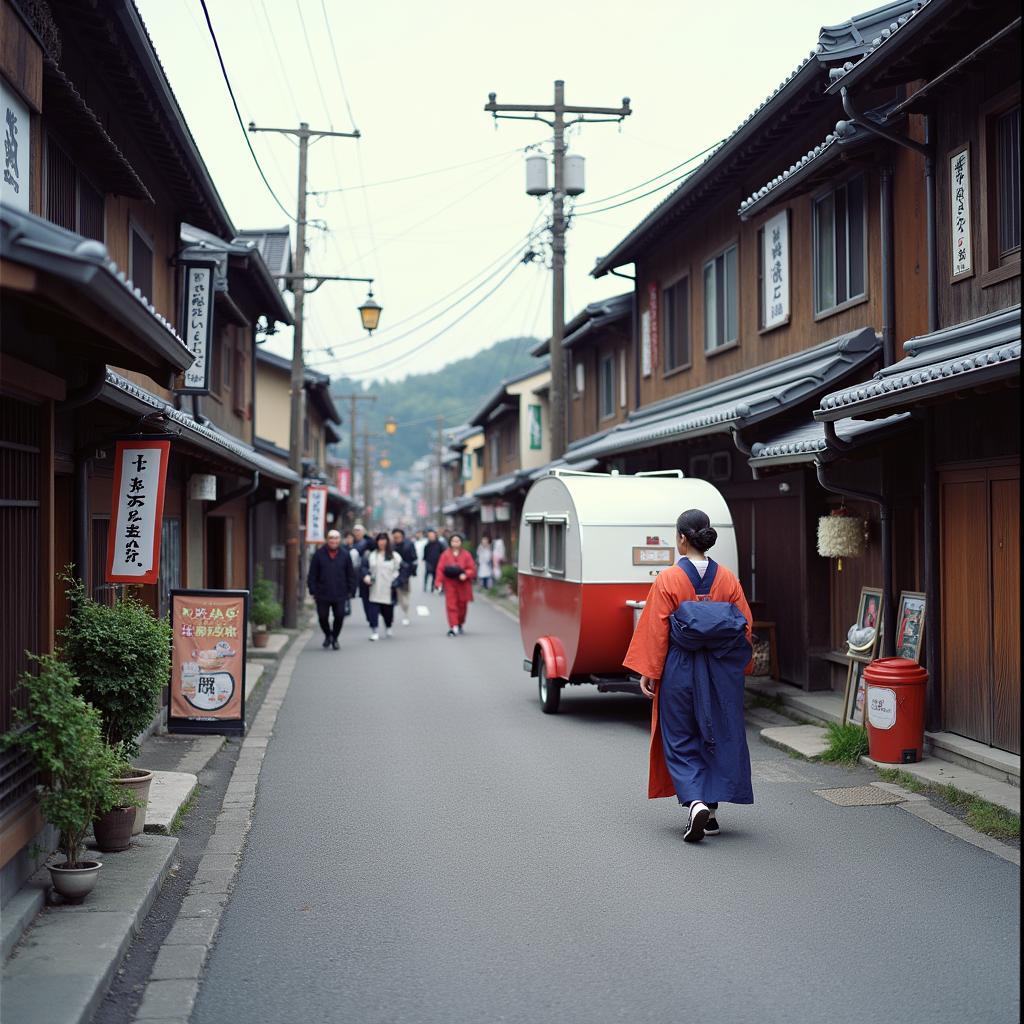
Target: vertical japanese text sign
775	264
316	514
208	635
345	481
197	325
960	212
652	306
16	126
536	433
137	510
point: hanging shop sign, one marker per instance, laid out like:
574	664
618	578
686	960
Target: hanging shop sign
16	127
467	465
775	271
197	325
421	507
202	487
345	481
502	512
316	514
208	639
536	430
652	306
960	212
133	541
486	513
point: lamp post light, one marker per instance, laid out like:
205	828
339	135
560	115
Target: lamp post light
384	463
390	426
369	312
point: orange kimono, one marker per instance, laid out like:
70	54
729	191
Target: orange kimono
649	647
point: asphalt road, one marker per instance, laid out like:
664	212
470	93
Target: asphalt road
428	847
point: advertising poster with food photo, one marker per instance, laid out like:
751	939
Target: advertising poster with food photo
208	661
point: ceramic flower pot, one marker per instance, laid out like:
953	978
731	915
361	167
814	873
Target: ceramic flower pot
113	830
74	884
260	637
138	782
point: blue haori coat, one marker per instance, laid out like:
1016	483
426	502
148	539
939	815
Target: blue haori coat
700	698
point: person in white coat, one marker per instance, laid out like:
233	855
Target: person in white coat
381	569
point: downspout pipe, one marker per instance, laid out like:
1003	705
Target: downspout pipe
885	516
927	150
89	392
245	491
634	311
888	247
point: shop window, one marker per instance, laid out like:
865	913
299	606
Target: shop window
70	200
607	390
537	545
170	563
840	254
676	303
556	548
721	300
494	444
140	261
1007	138
580	377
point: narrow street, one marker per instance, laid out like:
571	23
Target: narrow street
428	847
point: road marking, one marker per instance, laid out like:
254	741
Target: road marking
422	610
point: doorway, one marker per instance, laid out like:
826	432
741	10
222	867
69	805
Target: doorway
216	553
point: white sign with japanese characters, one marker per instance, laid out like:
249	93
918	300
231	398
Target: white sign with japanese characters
197	324
775	261
16	128
316	514
960	211
645	343
133	543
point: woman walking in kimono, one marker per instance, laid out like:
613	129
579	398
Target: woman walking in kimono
692	648
381	569
455	572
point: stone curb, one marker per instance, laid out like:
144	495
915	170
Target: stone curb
173	983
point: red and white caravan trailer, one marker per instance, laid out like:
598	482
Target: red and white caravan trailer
590	545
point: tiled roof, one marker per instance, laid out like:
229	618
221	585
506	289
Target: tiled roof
591	317
954	359
885	33
275	247
740	400
806	442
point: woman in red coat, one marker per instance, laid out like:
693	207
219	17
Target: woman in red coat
455	573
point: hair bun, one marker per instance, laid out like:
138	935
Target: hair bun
705	538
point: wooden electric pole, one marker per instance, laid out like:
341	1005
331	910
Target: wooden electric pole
558	124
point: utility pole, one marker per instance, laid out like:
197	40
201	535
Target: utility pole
440	467
291	565
368	472
352	399
558	124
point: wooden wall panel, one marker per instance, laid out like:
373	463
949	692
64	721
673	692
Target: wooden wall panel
910	241
1005	532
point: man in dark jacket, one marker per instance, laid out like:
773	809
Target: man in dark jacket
362	545
407	550
332	583
431	553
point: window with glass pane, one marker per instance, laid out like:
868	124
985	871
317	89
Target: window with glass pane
1008	183
556	547
840	261
676	303
607	385
536	545
721	300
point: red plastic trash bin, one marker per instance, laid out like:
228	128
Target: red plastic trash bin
895	710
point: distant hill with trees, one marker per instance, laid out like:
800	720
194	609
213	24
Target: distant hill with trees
455	392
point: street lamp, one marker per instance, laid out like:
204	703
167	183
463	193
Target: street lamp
390	426
384	463
369	312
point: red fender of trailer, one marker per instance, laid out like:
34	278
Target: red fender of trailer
551	650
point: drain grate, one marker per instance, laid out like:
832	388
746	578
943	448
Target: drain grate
859	796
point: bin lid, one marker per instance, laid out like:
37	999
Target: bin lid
898	671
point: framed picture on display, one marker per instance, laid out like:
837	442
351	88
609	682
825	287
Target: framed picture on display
869	609
910	625
856	694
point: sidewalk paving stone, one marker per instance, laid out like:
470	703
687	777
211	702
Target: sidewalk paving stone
169	792
806	740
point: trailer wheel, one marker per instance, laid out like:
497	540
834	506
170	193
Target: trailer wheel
550	693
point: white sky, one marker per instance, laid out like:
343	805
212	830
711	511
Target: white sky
417	76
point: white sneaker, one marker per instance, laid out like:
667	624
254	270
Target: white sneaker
375	636
388	632
405	622
699	814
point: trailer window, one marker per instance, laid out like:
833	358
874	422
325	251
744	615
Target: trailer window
536	545
556	548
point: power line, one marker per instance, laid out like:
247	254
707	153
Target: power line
444	330
238	113
312	63
633	188
337	66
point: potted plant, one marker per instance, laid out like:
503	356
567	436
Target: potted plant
63	735
113	829
121	656
265	610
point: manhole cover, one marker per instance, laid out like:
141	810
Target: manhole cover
859	796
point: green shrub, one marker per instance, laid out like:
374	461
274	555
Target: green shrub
510	577
264	608
121	656
846	743
62	734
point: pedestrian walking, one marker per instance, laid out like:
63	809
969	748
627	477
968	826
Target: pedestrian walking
455	573
362	545
497	557
332	583
419	542
692	648
381	569
407	550
484	562
431	553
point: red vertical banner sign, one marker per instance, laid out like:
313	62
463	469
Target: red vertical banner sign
208	635
652	306
345	481
316	514
137	511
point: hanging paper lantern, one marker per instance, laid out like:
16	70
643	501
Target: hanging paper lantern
840	535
